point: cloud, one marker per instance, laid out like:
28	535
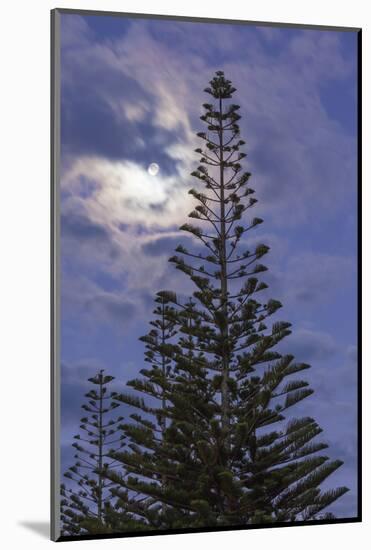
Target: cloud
314	276
270	34
124	192
309	279
86	242
110	307
309	345
128	115
80	227
302	277
134	98
318	54
150	91
85	299
75	32
165	245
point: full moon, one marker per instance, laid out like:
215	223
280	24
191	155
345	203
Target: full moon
153	169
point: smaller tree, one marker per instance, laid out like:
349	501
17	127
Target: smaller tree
158	353
147	462
86	504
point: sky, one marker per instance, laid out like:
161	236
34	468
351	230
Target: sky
131	95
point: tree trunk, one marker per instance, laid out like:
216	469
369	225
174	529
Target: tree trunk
224	285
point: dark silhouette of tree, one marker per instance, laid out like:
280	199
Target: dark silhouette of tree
146	459
222	447
158	354
86	504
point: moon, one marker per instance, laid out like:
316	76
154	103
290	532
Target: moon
153	169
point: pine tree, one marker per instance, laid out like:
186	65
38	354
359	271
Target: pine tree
86	504
229	451
146	459
158	353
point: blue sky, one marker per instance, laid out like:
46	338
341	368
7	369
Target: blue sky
132	95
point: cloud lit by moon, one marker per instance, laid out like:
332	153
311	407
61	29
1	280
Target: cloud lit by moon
153	169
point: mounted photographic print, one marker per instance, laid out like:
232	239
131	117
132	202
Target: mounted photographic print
205	275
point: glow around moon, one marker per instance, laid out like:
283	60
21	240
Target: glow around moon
153	169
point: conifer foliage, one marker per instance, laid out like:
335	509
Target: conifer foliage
86	498
147	460
231	452
214	440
